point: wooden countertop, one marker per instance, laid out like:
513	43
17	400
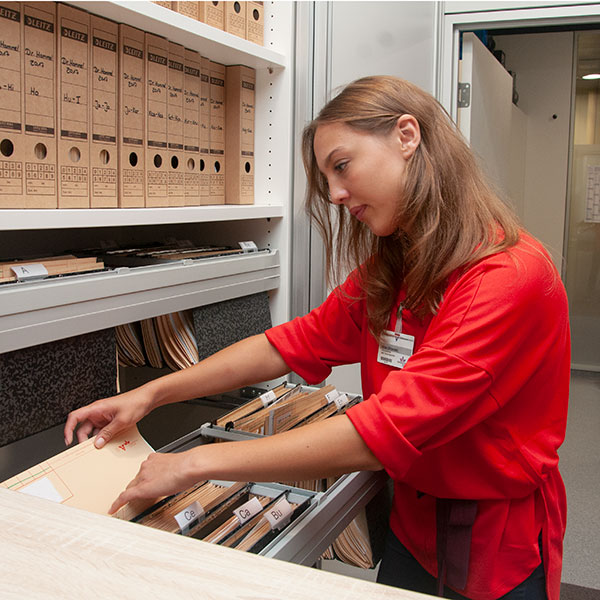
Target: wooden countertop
50	551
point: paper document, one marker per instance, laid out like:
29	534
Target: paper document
83	476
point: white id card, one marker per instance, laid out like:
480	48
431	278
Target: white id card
395	349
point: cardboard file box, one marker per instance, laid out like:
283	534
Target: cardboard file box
235	18
39	101
191	130
187	8
204	131
157	170
132	110
255	22
240	107
175	77
12	192
103	110
217	133
214	14
73	107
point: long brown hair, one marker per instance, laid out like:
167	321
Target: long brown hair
448	216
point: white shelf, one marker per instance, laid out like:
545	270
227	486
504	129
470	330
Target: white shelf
11	220
209	41
39	312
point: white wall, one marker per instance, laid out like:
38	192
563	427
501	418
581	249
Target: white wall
380	38
543	64
383	38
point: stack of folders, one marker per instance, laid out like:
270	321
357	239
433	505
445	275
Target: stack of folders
52	265
239	515
166	339
130	349
138	257
284	408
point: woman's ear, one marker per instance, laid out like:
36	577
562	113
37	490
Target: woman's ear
409	135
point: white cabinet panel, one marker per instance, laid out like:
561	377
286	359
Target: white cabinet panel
486	122
383	38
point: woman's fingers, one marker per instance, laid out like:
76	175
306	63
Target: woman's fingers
83	433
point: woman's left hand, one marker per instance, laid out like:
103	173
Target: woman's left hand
159	475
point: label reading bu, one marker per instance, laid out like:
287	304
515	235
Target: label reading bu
248	510
395	349
279	514
194	512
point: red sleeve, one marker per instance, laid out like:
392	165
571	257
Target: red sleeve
326	337
500	327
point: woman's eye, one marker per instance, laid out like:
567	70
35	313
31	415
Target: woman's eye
340	166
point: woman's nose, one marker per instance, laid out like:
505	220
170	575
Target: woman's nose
337	194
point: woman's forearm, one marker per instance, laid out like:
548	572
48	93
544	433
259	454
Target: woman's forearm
249	361
324	449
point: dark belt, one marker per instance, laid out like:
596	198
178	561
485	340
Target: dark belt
455	520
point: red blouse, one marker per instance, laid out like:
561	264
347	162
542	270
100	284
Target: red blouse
477	412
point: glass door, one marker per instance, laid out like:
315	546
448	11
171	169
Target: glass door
583	235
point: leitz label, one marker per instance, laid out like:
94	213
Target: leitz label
74	135
133	141
10	126
39	24
173	64
11	15
248	85
217	81
104	138
135	52
39	129
156	58
192	71
73	34
105	44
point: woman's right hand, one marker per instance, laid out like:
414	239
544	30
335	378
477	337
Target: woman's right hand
107	417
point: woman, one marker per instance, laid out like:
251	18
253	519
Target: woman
459	321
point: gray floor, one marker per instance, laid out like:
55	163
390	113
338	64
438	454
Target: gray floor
580	468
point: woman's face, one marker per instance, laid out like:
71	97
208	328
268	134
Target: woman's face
365	171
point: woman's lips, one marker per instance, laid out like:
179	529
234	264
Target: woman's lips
358	211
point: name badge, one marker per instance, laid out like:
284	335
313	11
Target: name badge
395	349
